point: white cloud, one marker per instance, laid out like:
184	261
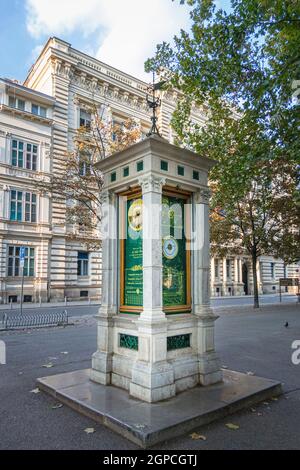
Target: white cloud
123	32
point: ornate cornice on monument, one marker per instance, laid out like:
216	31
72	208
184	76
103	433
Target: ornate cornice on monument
151	184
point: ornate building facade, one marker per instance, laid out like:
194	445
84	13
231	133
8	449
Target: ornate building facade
58	94
26	118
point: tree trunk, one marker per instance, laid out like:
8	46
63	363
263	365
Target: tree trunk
255	285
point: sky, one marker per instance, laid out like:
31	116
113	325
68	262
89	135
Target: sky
121	33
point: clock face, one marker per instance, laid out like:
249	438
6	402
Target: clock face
170	247
135	215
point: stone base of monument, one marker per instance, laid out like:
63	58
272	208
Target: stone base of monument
147	424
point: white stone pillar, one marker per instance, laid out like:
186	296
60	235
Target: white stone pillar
152	376
8	147
102	358
236	275
212	275
200	253
258	273
224	280
209	364
240	271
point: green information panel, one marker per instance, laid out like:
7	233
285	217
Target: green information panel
174	255
174	252
133	255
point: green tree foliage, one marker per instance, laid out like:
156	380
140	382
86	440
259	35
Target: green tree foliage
242	68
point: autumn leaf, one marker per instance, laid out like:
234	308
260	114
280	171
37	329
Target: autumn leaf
195	436
48	366
232	426
89	430
58	405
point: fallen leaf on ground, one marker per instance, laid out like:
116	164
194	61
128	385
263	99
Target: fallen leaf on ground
35	390
48	365
232	426
197	436
55	407
89	430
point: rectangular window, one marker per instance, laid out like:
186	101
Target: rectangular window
84	164
23	206
228	268
35	109
126	171
273	270
38	110
14	268
216	268
180	170
24	155
164	165
85	119
113	176
16	103
82	263
140	166
195	175
43	111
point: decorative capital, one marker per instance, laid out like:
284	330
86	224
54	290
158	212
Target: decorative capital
56	66
106	196
203	196
151	184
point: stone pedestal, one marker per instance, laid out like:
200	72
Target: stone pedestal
155	351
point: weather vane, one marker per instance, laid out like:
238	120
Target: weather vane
154	102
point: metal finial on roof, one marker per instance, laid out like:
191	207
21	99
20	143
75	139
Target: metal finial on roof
153	102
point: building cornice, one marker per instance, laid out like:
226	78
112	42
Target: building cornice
26	115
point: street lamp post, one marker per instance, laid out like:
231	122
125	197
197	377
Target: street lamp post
22	261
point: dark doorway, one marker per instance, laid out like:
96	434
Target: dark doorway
245	278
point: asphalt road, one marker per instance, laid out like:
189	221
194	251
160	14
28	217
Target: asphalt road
247	340
84	309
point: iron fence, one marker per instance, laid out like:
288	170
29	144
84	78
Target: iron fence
34	320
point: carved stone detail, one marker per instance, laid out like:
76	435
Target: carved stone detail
202	196
151	184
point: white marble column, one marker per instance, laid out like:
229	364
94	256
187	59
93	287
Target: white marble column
209	364
102	358
152	376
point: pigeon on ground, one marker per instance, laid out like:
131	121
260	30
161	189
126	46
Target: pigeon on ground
286	324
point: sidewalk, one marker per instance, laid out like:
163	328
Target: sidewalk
77	303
